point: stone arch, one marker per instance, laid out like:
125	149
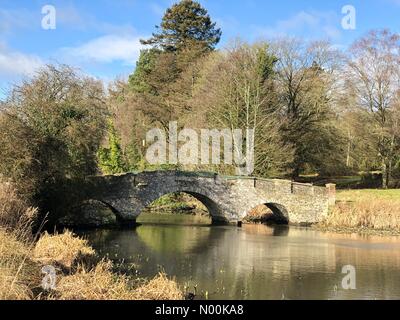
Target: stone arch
213	206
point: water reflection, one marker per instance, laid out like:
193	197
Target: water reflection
259	262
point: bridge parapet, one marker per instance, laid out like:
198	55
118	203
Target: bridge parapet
285	186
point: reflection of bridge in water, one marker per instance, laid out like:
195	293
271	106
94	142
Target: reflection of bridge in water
228	199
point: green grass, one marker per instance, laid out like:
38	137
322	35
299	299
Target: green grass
368	194
342	182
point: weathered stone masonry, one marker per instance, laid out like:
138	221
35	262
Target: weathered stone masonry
228	199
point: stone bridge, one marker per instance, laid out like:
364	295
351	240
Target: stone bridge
228	199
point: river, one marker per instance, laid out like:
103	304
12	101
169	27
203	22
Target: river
255	261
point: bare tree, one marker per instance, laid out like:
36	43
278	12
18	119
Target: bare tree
305	81
374	77
237	92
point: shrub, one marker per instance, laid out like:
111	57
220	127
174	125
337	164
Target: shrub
51	128
371	180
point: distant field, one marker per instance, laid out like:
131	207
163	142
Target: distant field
343	182
368	195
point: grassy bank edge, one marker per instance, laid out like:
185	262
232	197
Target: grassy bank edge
367	212
80	273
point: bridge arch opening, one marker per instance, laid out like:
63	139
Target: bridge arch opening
182	208
268	213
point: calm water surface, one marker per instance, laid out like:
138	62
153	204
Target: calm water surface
256	261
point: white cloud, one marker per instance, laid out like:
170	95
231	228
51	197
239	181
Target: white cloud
313	23
107	49
14	63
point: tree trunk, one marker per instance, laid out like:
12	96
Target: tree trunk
296	173
389	174
348	164
384	175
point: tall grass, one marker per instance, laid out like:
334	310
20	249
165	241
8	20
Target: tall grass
366	209
18	274
16	216
374	214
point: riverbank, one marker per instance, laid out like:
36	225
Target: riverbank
79	273
27	262
369	211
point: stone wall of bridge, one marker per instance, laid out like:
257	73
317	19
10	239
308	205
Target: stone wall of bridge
228	199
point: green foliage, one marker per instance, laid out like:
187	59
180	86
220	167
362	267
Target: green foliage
134	158
111	159
265	62
185	24
145	65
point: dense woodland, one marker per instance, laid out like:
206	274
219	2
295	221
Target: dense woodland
315	110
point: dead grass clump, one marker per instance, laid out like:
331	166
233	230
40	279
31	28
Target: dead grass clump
63	250
366	214
101	283
97	284
159	288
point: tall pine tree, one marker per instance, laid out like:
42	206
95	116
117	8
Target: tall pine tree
185	24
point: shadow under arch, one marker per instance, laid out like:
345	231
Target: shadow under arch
89	214
269	213
118	217
96	203
280	213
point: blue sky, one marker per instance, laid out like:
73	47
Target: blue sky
101	37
